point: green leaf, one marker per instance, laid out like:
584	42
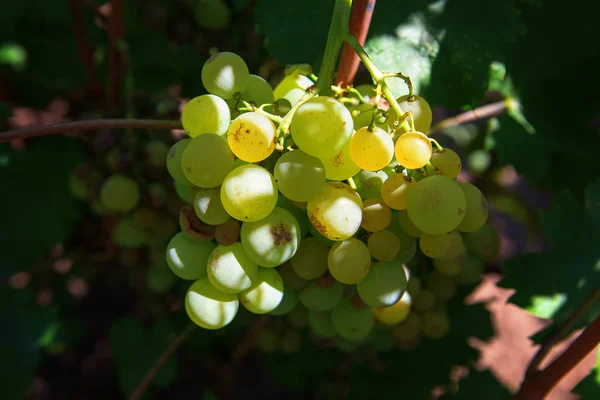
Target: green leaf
592	201
476	383
589	387
135	351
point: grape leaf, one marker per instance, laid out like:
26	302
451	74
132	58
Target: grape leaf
477	383
589	387
135	350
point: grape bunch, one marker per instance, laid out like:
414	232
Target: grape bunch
318	209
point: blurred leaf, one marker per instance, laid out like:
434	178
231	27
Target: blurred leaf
589	387
135	351
241	4
209	395
476	383
5	111
592	201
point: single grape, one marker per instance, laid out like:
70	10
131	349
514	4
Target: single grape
249	193
351	322
442	286
292	88
321	298
187	259
298	318
447	163
258	91
407	225
340	166
230	269
310	260
471	272
477	210
320	324
436	205
336	211
265	294
208	307
434	246
84	181
252	137
206	114
371	150
157	194
174	157
159	279
456	246
396	313
435	324
228	232
384	284
288	302
156	153
127	234
451	266
420	110
290	278
369	184
119	193
394	191
349	261
208	207
483	243
225	74
273	240
424	300
408	329
383	245
321	126
299	176
207	160
413	150
376	215
214	15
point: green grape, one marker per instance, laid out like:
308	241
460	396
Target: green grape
436	205
299	176
396	313
185	192
291	342
214	15
290	278
435	324
208	307
340	166
208	207
483	243
158	194
336	211
470	273
424	300
230	269
368	183
174	157
394	191
206	114
156	153
451	266
442	286
408	329
207	160
225	74
143	217
159	279
384	284
321	126
477	211
228	232
187	259
413	286
420	110
128	235
267	341
119	193
249	193
383	245
265	294
413	150
456	246
352	323
298	318
272	240
407	225
310	260
258	91
320	324
252	137
434	246
292	88
367	90
371	150
349	261
288	302
362	116
447	163
321	298
376	215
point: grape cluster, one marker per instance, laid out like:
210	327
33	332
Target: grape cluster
320	213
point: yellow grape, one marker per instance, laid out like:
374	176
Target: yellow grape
395	313
340	166
407	225
434	246
371	150
205	114
252	137
383	245
447	163
413	150
394	191
376	215
420	110
349	261
336	212
476	214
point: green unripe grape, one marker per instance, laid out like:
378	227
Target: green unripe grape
272	240
352	323
420	110
299	176
249	193
424	300
340	166
208	307
252	137
477	211
290	278
188	259
208	207
349	261
258	91
320	324
408	329
442	286
470	273
407	225
119	193
320	298
207	160
483	243
206	114
292	88
225	74
214	15
384	285
436	205
310	260
383	245
447	163
174	157
435	324
128	235
288	302
265	294
231	270
156	153
336	211
434	246
368	183
396	313
159	279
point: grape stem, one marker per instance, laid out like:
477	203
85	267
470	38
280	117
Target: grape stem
284	126
436	144
249	107
476	114
352	183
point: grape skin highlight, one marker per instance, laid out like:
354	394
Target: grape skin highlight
299	176
225	74
230	269
265	294
252	137
208	307
205	114
336	211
